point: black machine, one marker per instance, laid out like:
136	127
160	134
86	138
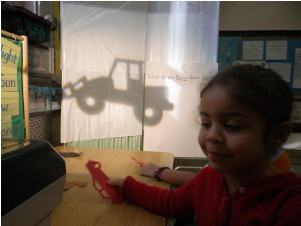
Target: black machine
32	182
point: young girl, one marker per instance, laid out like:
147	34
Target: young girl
245	113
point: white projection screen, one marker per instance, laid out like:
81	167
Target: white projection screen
103	57
135	68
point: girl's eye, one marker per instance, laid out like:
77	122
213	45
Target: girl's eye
231	127
205	124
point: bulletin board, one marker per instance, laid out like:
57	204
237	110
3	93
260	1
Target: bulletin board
281	53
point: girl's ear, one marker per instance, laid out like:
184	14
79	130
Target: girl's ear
281	133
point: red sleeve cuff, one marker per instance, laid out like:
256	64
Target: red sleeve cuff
126	187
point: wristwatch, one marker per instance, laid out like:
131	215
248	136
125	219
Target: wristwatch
159	171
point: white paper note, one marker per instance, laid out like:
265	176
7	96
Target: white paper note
253	50
170	88
296	114
297	69
252	62
276	50
283	69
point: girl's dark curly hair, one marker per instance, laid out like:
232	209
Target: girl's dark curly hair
261	89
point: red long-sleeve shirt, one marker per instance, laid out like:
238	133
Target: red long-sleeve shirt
274	200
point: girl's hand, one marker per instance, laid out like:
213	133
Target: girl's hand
116	183
148	169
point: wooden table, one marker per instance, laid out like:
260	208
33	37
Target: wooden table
83	206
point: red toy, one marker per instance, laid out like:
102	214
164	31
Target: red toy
138	162
101	178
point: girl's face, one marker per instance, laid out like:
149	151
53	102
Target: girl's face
231	134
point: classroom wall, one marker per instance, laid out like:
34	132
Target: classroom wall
255	15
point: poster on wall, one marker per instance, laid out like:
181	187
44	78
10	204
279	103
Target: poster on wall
253	50
10	54
297	69
283	69
171	121
276	50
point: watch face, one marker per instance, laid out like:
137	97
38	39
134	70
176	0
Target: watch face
156	175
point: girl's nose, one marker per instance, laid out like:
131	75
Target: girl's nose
215	135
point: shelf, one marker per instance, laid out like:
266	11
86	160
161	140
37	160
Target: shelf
37	45
21	21
42	113
292	33
44	79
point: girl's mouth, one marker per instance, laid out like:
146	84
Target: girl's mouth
217	157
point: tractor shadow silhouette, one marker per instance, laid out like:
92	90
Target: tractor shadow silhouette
91	95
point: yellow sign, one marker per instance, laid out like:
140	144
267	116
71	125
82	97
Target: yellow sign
5	119
9	83
10	54
6	130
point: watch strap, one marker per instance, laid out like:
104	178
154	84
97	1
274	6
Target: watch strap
159	171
